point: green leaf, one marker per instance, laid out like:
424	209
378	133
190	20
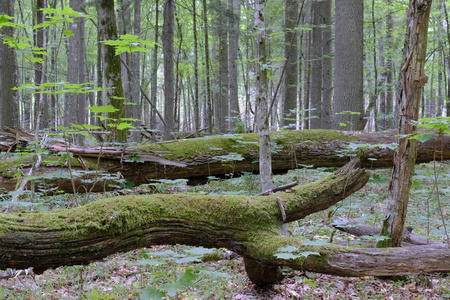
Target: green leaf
286	256
124	125
67	33
152	293
308	253
149	262
199	251
287	249
315	243
102	109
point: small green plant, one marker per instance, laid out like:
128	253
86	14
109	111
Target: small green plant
349	114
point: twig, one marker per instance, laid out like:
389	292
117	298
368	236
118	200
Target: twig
278	188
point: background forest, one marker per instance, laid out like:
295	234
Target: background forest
184	66
120	72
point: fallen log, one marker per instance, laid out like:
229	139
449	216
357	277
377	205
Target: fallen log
360	230
225	154
247	225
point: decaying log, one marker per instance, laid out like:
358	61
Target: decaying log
247	225
210	156
366	230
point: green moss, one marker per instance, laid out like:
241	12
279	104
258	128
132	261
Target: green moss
242	143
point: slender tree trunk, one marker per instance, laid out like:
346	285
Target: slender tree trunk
288	118
169	78
135	73
209	108
196	107
40	72
391	119
234	24
348	103
154	80
327	52
9	114
262	115
316	67
413	79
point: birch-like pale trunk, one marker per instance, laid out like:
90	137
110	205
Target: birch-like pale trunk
262	114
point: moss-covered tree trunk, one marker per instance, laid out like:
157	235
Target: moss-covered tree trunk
213	156
247	225
107	30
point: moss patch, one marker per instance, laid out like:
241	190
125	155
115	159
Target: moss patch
240	143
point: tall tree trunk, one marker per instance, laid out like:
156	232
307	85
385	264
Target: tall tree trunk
209	108
413	79
75	106
262	115
289	113
391	116
169	78
327	53
196	107
41	111
154	80
107	30
136	67
348	104
234	24
9	114
316	67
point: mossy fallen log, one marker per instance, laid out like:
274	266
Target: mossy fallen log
248	225
217	156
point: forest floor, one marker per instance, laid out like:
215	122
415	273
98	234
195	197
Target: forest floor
181	272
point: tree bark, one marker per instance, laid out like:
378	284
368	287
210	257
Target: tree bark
75	103
262	105
289	115
250	226
9	115
348	64
316	68
169	77
107	30
413	79
202	157
233	47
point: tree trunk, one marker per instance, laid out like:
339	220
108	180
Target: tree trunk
327	62
107	30
413	79
169	78
262	114
196	106
250	226
233	47
9	115
75	104
391	116
348	103
288	119
316	68
208	99
41	110
154	80
199	158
